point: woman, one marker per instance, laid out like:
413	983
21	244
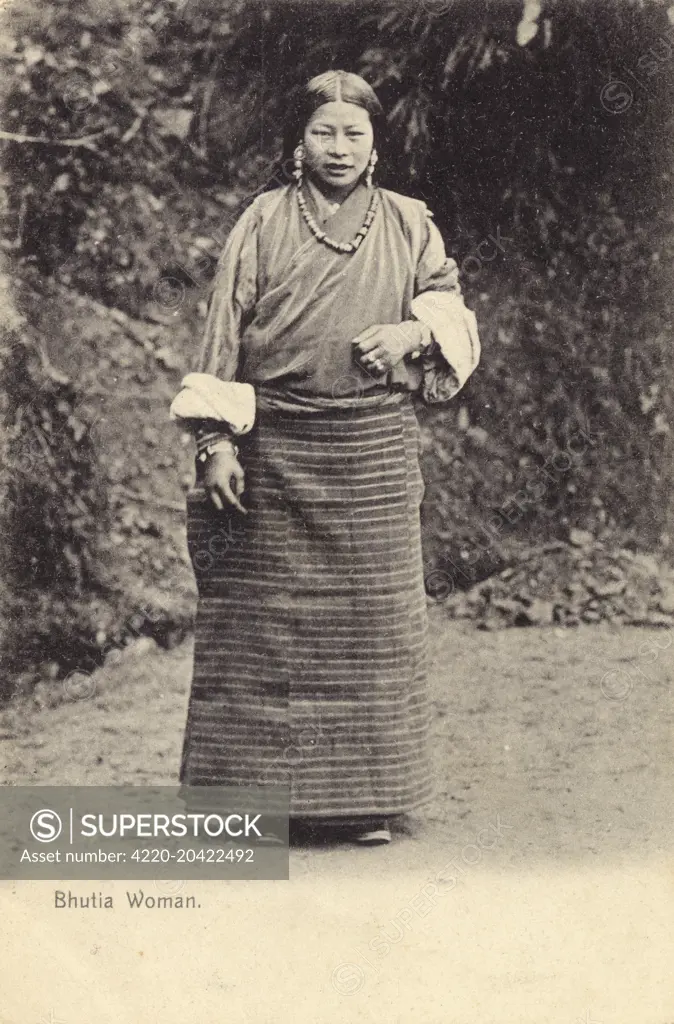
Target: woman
333	303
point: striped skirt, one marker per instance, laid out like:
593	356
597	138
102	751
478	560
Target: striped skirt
310	634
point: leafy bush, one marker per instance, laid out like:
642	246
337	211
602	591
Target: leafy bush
541	143
54	499
568	420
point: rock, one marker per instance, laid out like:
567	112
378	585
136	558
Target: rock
118	315
654	619
605	589
204	242
539	613
566	584
136	649
580	538
173	121
508	607
461	609
478	434
648	563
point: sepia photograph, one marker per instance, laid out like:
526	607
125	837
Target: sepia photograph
336	508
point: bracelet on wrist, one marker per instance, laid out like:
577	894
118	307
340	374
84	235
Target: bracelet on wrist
426	341
223	445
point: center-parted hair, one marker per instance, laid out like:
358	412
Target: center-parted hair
328	87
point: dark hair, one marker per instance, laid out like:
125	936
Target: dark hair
325	88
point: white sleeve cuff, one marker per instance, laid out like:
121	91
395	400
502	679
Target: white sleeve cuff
205	397
454	329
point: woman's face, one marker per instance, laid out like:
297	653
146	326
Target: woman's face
338	142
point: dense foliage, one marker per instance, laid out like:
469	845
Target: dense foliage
54	506
539	134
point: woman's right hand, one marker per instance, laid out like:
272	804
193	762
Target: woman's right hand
223	480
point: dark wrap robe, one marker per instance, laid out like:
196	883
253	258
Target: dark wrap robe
309	664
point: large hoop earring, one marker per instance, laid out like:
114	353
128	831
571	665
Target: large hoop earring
372	163
298	159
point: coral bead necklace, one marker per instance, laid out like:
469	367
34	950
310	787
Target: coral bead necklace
321	236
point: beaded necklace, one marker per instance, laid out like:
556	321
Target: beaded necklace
325	239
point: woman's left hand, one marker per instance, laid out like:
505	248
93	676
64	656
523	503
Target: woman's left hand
380	347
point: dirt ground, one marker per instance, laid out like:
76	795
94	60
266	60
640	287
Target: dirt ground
554	745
